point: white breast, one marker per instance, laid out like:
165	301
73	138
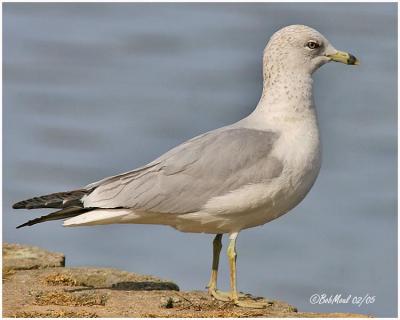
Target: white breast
299	149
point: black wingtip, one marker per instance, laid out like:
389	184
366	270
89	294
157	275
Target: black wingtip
32	222
58	215
23	225
19	205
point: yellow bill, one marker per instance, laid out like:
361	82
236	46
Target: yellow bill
344	57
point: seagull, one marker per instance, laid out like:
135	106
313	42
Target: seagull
226	180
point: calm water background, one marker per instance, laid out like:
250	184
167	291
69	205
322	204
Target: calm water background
95	90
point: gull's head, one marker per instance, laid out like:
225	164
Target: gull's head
300	48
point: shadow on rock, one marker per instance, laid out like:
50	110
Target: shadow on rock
144	286
134	286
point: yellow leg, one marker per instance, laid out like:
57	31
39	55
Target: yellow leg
212	285
217	246
232	266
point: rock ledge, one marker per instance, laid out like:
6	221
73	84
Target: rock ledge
36	284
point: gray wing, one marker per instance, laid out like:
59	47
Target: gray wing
185	178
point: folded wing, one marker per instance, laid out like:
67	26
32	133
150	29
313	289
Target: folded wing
185	178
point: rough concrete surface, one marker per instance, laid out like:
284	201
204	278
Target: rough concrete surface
36	284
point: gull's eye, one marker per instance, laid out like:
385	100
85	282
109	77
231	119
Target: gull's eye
312	44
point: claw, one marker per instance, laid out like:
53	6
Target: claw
243	300
220	295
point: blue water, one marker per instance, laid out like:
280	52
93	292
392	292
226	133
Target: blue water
92	90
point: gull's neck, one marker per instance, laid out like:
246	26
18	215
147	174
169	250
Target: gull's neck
287	92
285	96
286	99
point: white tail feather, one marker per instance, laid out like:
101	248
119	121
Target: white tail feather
96	217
